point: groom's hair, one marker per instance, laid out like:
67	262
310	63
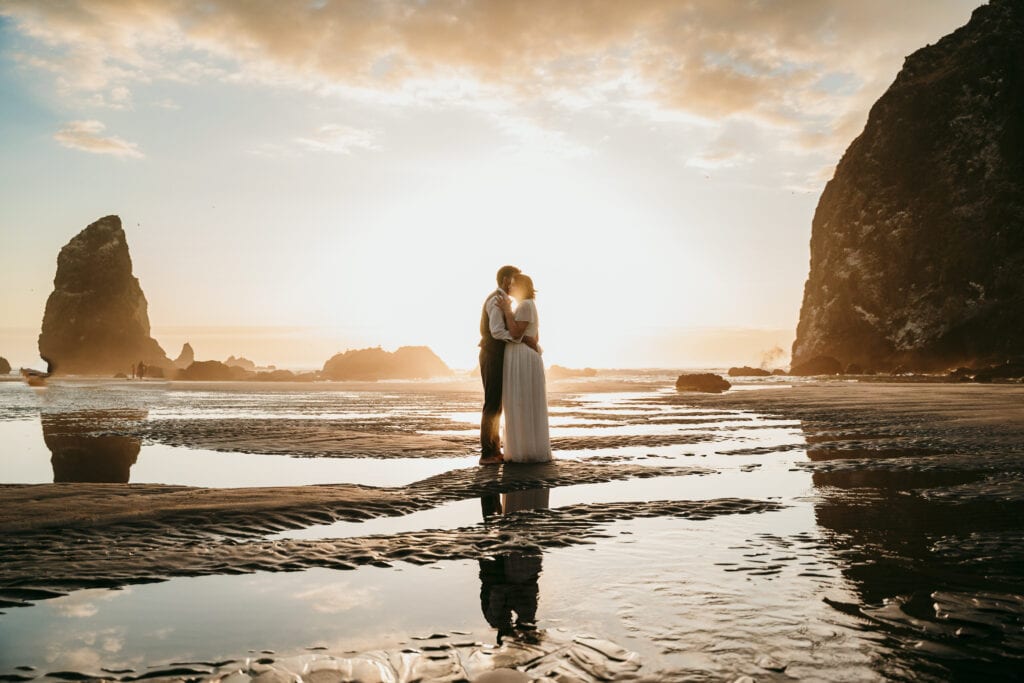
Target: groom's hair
507	271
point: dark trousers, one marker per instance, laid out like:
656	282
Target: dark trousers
492	361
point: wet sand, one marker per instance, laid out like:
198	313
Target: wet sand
826	529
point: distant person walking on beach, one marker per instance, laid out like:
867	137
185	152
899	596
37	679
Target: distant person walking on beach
496	320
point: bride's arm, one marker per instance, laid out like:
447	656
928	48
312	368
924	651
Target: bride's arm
515	327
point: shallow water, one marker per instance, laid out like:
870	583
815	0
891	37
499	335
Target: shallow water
801	538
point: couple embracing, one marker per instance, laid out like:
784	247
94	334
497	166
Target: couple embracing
513	374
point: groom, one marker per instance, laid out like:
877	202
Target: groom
494	335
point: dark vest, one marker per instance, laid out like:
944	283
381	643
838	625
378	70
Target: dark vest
486	340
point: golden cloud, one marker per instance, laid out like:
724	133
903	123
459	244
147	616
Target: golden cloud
759	60
87	137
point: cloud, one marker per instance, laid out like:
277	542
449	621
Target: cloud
86	136
713	58
807	70
338	139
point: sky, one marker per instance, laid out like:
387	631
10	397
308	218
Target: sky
298	178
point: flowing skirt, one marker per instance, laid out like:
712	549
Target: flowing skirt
524	402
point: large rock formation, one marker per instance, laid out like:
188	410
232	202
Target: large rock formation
917	244
96	319
408	362
5	367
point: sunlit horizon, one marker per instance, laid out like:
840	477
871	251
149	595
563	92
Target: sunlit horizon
307	348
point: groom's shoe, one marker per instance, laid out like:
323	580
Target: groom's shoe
492	460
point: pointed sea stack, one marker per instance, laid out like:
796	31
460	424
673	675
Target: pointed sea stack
186	357
917	244
96	319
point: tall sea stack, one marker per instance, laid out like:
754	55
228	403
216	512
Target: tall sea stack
917	244
96	319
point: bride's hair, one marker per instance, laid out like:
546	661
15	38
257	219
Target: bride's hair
526	282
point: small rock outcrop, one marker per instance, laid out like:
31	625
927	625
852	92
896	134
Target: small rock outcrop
96	320
708	383
1006	371
212	371
747	371
819	365
240	362
186	357
5	367
556	372
917	243
408	362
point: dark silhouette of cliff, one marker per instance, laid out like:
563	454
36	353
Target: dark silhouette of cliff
917	244
96	319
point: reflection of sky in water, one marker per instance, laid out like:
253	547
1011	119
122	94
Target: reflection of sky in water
217	617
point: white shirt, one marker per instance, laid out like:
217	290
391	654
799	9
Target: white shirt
496	318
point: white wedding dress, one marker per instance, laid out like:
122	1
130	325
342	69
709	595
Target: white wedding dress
524	399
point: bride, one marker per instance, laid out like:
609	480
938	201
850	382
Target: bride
524	394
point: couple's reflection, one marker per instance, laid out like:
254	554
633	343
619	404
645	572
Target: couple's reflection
508	582
81	452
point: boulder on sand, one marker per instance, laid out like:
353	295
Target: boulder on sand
708	383
5	367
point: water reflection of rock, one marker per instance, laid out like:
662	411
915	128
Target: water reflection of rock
509	582
921	564
83	452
